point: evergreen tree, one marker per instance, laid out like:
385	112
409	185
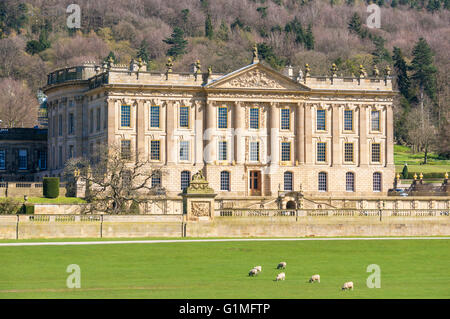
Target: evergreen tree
350	2
394	3
262	11
355	24
380	53
295	27
266	52
405	171
424	72
143	52
223	32
112	55
209	31
309	38
403	81
434	5
177	43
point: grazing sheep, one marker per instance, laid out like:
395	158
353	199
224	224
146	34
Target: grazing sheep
258	268
282	265
315	278
253	272
348	285
281	276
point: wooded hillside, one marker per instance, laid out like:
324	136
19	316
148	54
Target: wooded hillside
35	39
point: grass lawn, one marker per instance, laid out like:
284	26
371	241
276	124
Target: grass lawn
403	154
409	269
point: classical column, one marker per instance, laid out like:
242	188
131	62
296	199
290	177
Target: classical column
336	154
300	132
238	123
140	129
389	135
273	132
308	135
210	149
170	128
199	110
363	125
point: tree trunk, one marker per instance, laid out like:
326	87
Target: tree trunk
425	155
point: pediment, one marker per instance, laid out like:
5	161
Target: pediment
258	77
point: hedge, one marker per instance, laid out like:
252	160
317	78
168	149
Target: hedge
51	187
432	175
27	209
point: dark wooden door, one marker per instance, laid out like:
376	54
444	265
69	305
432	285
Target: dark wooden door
255	183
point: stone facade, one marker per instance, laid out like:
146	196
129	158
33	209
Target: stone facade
288	116
23	153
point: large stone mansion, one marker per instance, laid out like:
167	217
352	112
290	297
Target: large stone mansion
253	132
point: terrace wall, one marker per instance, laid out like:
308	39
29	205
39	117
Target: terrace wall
109	226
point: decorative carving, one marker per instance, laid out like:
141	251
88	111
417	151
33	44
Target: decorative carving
255	79
199	185
200	209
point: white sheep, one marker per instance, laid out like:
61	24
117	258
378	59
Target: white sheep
258	268
315	278
253	272
348	285
282	265
281	276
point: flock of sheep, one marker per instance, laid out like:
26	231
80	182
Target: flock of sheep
282	276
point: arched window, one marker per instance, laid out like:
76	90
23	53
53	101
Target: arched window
224	181
323	187
377	182
185	179
287	181
350	182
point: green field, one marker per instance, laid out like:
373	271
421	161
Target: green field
409	269
403	154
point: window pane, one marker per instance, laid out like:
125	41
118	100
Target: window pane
321	120
224	181
254	151
222	150
184	150
184	116
185	179
99	118
321	152
375	120
42	160
287	181
350	182
285	119
377	182
154	150
322	182
125	116
348	152
285	151
348	120
156	179
222	119
2	159
125	147
376	153
23	159
154	116
254	118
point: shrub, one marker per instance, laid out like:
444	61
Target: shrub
134	208
27	209
405	172
51	187
9	206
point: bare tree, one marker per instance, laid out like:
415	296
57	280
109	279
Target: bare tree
18	105
115	181
422	133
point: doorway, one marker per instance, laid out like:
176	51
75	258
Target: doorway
255	183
